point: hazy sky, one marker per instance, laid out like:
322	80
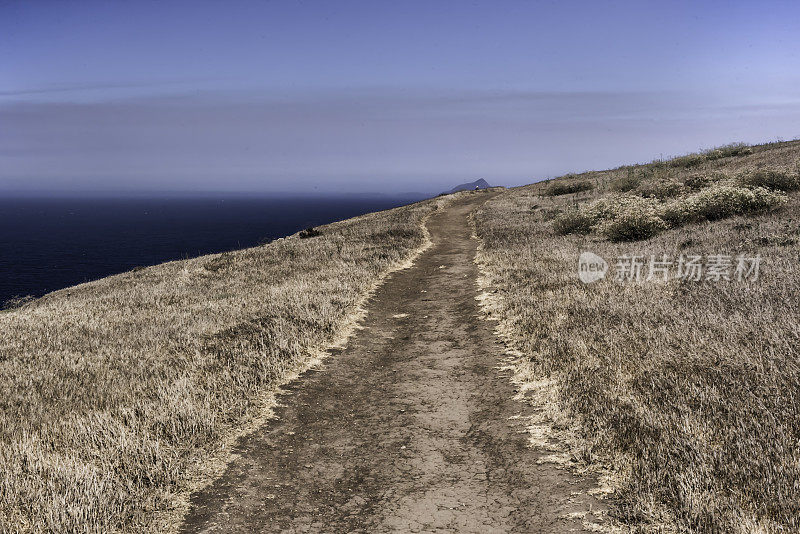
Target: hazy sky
379	95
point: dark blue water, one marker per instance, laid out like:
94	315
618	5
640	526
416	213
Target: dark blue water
49	244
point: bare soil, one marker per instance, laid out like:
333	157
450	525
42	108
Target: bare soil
411	428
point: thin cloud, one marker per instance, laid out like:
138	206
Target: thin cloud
390	140
76	88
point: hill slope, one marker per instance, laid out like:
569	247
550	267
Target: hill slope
116	391
687	387
471	186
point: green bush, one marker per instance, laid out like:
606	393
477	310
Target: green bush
560	188
777	179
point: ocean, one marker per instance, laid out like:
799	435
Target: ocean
51	243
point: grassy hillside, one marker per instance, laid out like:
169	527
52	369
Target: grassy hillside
688	390
114	391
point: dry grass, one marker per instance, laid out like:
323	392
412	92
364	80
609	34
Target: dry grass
114	390
568	188
689	391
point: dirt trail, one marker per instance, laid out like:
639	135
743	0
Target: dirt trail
408	429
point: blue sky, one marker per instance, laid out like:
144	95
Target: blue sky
379	96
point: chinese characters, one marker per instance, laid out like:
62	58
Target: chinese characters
687	267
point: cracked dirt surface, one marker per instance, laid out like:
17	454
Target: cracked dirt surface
410	428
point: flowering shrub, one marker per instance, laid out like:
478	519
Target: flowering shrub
722	201
602	208
631	218
780	180
619	218
676	213
661	190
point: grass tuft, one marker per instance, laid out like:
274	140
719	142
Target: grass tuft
661	189
628	182
574	221
568	188
779	180
17	302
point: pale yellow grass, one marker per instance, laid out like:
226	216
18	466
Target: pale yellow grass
688	392
123	394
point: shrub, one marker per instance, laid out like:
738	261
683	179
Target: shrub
726	151
626	183
780	180
675	213
632	226
620	218
720	201
661	190
602	208
309	232
688	161
630	218
684	389
548	214
219	263
696	181
568	188
575	221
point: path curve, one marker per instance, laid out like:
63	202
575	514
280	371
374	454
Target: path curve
410	428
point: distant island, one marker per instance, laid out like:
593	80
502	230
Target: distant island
477	184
